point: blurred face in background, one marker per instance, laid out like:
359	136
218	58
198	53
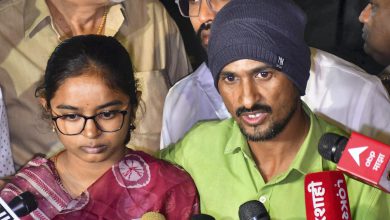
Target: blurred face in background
201	14
376	30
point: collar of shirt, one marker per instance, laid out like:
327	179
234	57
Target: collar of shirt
304	162
115	18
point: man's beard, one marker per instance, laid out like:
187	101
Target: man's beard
203	26
275	128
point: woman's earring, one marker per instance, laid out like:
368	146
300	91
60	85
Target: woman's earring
53	129
131	127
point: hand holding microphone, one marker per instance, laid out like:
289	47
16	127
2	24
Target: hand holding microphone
360	157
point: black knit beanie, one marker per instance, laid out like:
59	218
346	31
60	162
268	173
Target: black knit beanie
269	31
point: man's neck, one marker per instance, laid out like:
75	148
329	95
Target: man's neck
275	156
76	17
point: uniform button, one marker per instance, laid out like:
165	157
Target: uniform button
263	199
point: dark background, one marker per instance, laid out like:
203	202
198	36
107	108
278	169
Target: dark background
332	26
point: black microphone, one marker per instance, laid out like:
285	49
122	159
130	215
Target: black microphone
19	206
202	217
331	146
253	210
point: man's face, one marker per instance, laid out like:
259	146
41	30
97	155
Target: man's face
376	31
202	23
262	100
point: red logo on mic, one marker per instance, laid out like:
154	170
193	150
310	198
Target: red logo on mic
367	159
326	196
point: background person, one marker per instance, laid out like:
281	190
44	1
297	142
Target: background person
376	35
194	98
6	162
90	94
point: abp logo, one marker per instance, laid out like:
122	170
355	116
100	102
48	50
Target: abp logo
355	153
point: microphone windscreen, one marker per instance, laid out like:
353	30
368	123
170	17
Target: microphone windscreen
202	217
152	216
253	210
331	146
23	204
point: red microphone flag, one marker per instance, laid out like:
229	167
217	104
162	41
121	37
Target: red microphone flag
326	196
368	160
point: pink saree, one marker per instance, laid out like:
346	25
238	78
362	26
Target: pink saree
137	184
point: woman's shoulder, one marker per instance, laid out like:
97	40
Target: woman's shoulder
39	165
37	173
159	170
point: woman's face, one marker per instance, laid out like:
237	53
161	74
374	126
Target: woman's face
88	95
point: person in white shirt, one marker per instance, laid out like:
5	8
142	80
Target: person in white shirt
194	98
345	94
6	162
376	35
338	90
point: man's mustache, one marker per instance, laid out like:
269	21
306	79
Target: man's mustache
203	26
256	107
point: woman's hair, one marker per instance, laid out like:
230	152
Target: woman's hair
102	55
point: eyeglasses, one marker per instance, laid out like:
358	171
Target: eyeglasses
191	8
74	124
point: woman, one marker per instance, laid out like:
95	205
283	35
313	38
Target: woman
90	93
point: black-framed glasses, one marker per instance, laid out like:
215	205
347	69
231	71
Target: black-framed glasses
191	8
74	124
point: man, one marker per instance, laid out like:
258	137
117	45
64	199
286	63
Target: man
260	64
193	98
338	90
29	32
376	34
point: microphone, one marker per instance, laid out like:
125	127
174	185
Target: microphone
19	206
152	216
326	196
253	210
361	157
202	217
